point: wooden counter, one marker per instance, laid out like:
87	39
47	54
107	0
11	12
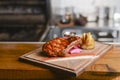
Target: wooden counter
106	68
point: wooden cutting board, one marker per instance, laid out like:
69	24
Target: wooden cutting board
72	65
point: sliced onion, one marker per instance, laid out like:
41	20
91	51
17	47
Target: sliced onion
75	49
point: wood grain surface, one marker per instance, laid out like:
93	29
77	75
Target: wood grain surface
106	68
72	65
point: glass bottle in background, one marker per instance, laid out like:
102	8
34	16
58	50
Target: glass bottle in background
68	16
117	17
103	16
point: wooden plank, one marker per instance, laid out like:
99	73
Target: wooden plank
80	61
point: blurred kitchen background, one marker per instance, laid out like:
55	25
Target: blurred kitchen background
42	20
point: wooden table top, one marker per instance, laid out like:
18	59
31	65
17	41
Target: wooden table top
106	68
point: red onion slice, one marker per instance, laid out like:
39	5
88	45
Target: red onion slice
75	49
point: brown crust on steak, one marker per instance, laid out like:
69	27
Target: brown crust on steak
73	38
57	46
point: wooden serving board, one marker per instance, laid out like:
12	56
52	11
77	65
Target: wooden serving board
72	65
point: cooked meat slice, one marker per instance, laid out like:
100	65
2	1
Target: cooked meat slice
75	43
55	47
73	38
60	46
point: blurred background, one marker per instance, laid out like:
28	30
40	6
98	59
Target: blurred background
42	20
